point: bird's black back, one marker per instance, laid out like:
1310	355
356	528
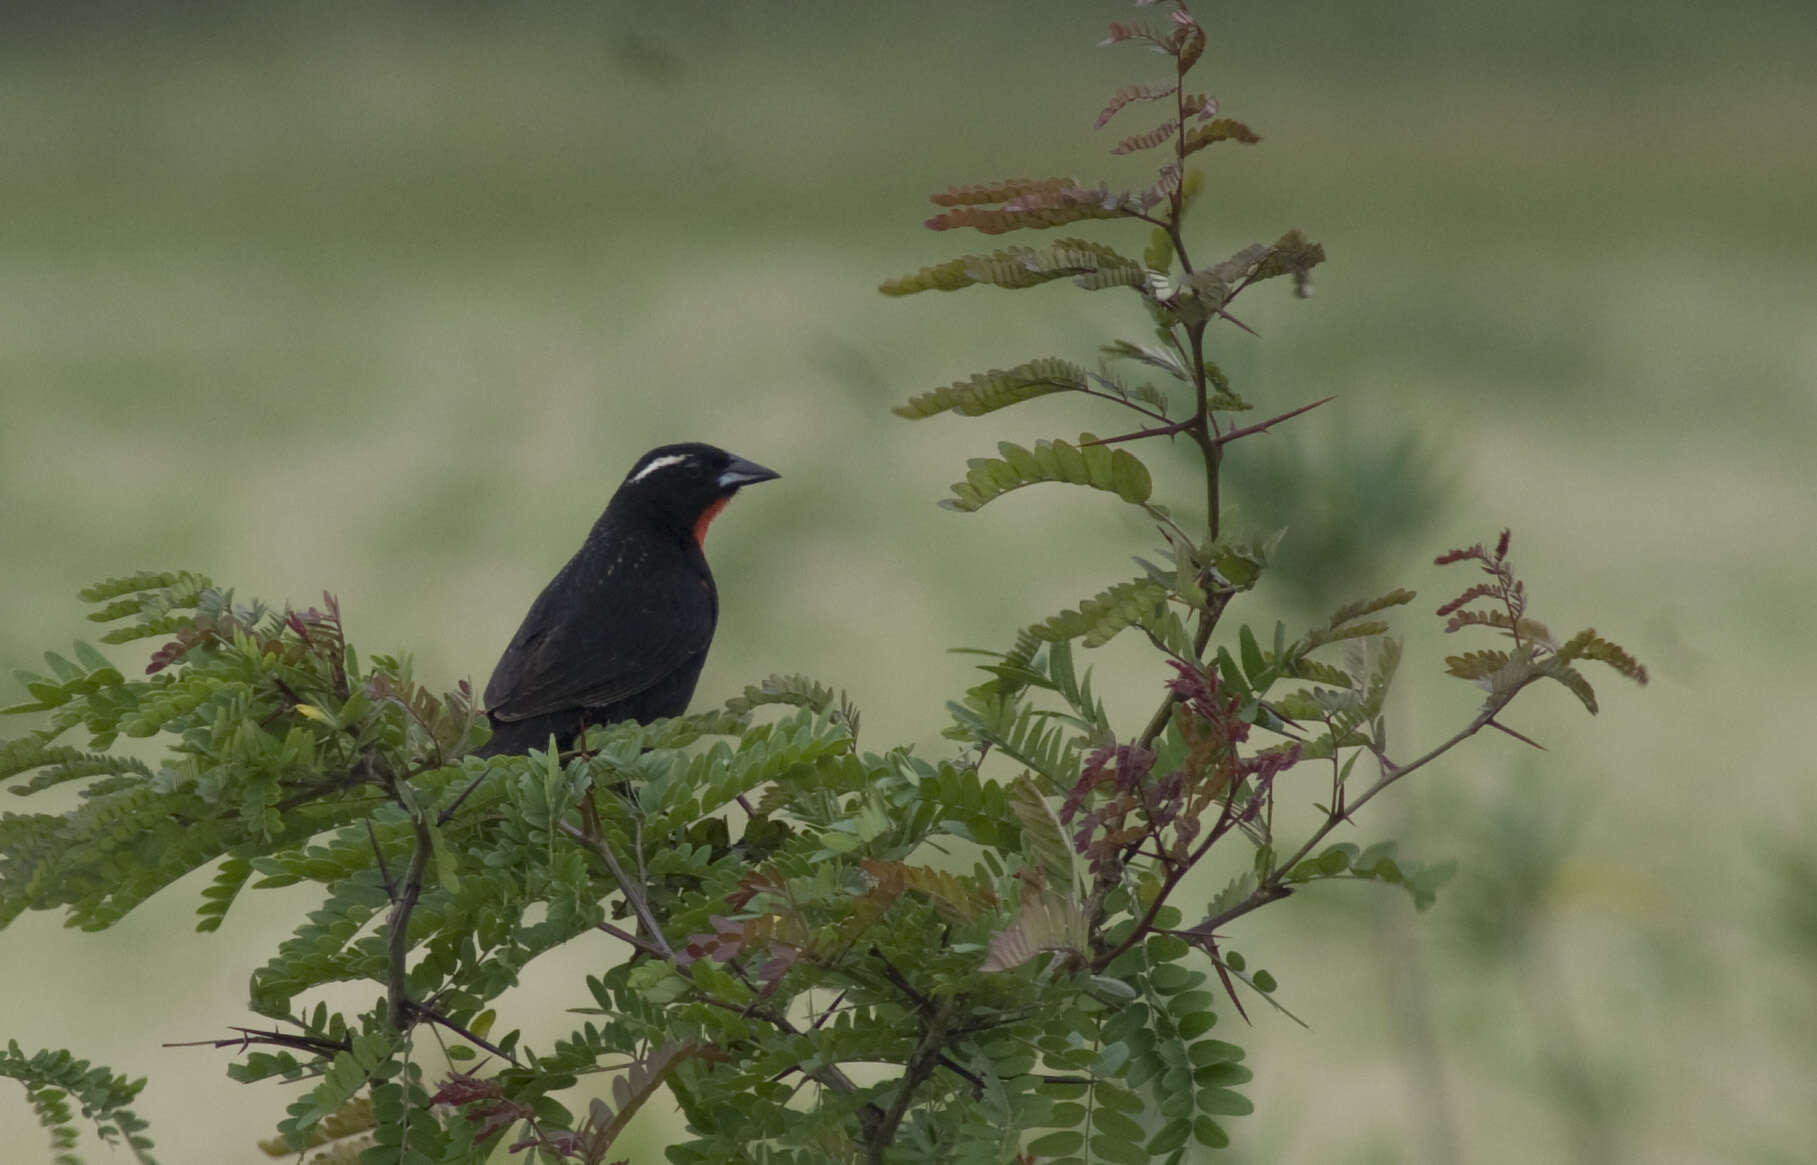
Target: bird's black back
622	630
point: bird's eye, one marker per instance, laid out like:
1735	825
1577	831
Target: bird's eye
692	469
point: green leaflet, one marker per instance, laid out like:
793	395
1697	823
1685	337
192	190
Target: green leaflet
998	221
1378	863
1223	129
1099	466
1097	620
1292	254
1148	139
1090	265
998	388
985	193
1129	93
1043	837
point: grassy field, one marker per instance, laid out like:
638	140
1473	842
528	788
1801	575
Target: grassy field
384	300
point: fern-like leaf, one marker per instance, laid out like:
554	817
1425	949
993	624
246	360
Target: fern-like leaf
1574	680
1154	357
1131	93
988	192
53	1078
1223	129
998	388
1148	139
1043	837
1113	470
1045	922
1587	644
958	899
796	690
1098	619
1037	210
1292	254
1093	266
1475	665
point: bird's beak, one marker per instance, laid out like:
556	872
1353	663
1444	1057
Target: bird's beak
741	472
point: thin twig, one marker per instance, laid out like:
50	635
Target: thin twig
634	894
447	814
379	854
1113	398
424	1011
625	936
831	1076
921	1064
901	983
971	1078
397	937
1171	429
318	1045
820	1020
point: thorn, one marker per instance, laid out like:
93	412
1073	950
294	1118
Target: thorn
1263	426
1494	723
1239	323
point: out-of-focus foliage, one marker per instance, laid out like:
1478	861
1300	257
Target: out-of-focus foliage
53	1079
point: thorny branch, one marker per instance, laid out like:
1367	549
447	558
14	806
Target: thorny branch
397	928
1273	887
921	1065
633	891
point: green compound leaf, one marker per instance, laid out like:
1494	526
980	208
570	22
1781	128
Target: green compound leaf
1101	467
1093	266
58	1086
1043	838
998	388
1223	129
1292	254
1099	618
986	193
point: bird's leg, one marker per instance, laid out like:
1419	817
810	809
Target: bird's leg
580	741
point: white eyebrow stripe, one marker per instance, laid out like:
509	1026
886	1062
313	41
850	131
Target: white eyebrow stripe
660	463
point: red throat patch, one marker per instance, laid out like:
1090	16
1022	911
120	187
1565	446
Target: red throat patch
706	519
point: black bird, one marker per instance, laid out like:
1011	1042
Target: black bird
622	630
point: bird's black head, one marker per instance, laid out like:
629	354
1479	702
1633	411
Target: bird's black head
685	486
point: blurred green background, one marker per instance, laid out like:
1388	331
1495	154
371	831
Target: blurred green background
384	298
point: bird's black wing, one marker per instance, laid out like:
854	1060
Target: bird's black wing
602	631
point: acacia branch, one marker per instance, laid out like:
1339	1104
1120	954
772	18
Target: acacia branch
397	936
636	941
447	814
900	982
830	1076
1274	887
1171	429
921	1065
634	894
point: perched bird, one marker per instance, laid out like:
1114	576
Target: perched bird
622	630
